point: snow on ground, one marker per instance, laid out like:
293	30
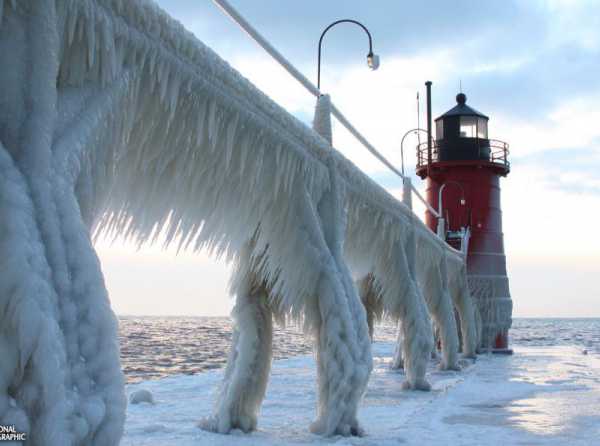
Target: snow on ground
538	396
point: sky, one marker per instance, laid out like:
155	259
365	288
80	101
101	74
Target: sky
532	66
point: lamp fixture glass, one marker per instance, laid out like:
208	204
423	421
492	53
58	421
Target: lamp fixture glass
373	61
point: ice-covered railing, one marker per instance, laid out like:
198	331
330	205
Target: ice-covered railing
441	313
264	43
122	122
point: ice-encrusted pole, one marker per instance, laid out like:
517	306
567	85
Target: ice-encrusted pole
467	312
398	359
249	363
370	296
344	360
434	282
379	245
67	384
414	330
406	304
322	118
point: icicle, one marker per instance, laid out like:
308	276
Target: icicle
230	139
80	26
277	155
187	86
71	25
260	155
91	43
151	56
174	90
163	82
113	47
212	131
243	148
287	174
277	174
201	110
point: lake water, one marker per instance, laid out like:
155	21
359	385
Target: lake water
155	347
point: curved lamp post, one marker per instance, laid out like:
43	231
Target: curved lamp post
441	228
402	144
372	59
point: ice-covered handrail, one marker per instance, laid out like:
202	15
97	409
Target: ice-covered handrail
286	64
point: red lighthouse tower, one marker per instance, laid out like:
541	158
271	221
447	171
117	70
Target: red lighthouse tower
463	169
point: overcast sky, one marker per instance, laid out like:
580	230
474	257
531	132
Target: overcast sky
533	67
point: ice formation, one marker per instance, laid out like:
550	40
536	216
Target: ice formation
125	124
141	396
413	274
249	362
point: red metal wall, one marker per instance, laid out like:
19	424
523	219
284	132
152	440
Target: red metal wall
481	186
482	195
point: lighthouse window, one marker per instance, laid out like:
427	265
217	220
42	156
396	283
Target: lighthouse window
468	127
482	131
439	129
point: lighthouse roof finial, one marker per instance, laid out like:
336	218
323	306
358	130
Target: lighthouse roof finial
461	109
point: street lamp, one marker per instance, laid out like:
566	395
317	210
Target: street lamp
441	228
402	145
372	59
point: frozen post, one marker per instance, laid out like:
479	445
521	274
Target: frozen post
344	359
322	118
249	363
398	360
407	192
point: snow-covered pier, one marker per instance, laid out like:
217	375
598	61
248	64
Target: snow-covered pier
541	396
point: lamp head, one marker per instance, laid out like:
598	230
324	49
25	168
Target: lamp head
463	202
373	61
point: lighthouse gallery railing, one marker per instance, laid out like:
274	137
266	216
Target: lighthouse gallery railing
498	153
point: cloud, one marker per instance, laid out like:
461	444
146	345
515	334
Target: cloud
405	27
573	170
153	281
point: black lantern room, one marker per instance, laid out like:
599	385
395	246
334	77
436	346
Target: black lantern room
462	133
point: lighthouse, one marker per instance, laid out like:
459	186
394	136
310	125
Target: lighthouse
463	167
